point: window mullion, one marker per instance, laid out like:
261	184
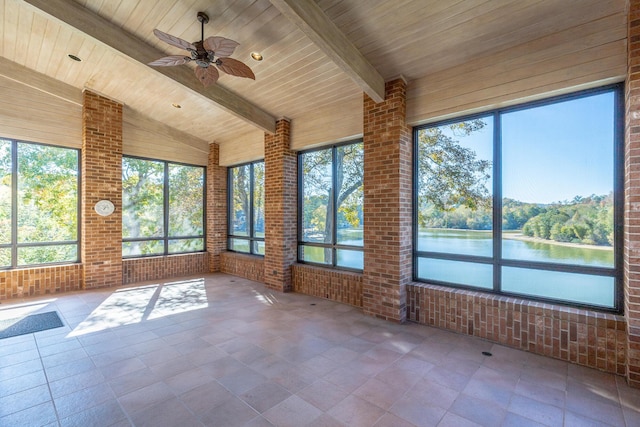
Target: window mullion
14	203
251	208
165	193
497	201
334	211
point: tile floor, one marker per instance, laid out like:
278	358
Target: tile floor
224	351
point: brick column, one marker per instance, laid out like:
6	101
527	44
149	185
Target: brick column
387	204
632	197
216	208
101	251
280	188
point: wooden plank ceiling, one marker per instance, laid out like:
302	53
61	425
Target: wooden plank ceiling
305	69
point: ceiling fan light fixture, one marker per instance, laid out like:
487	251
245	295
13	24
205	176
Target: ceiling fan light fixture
257	56
209	54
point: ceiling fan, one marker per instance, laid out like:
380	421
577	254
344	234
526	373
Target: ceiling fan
206	53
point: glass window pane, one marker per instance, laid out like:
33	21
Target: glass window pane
142	199
150	247
316	254
47	195
5	192
455	188
349	173
350	259
317	202
240	188
5	257
573	287
456	272
185	245
239	245
258	247
258	199
558	195
186	201
47	254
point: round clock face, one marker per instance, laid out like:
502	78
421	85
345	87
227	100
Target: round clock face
104	207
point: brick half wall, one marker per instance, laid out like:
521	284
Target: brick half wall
248	266
39	281
162	267
584	337
335	285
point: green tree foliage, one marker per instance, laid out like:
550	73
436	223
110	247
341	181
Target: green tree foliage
585	220
450	175
143	206
318	203
241	198
46	202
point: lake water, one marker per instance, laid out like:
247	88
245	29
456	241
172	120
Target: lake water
582	288
480	243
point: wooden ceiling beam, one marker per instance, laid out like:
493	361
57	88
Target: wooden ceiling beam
114	37
308	16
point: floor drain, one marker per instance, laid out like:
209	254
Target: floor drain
313	303
487	353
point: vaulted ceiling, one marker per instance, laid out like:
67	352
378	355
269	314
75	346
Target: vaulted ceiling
316	53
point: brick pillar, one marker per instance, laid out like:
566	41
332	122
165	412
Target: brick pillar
216	208
101	251
387	204
280	189
632	197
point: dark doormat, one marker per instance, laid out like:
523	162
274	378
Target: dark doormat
29	324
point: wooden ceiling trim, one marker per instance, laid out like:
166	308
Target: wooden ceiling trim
308	16
114	37
41	82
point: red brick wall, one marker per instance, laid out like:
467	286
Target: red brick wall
280	188
161	267
632	197
335	285
216	208
38	281
387	204
101	252
244	265
584	337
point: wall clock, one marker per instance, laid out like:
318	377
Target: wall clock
104	207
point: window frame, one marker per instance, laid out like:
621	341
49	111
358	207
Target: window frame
334	246
251	238
15	244
165	212
496	260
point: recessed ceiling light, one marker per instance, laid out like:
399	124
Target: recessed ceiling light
257	56
75	58
176	105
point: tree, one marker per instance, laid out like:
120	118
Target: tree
319	201
449	174
142	203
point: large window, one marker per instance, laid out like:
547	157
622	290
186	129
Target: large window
246	208
525	201
162	207
330	205
38	204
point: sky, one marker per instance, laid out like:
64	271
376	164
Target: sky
554	152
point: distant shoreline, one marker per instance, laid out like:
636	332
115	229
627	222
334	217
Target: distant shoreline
519	236
523	238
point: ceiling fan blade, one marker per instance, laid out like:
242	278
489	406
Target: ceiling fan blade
207	76
169	61
235	68
173	40
221	46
